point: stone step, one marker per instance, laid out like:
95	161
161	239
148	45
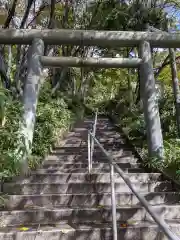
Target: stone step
37	177
86	215
76	188
59	165
97	151
14	202
99	131
107	143
101	134
77	158
102	138
85	170
134	231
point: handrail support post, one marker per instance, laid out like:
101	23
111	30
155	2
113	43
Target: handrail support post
89	153
94	134
113	202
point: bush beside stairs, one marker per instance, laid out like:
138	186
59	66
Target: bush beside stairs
61	201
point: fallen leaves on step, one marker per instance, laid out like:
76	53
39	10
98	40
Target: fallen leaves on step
124	225
130	222
29	204
100	206
23	228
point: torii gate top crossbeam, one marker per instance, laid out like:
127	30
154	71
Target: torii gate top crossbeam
89	37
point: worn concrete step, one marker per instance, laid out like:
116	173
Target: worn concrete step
99	131
76	188
103	127
37	177
97	150
85	170
108	142
82	215
130	231
75	138
14	202
59	165
75	143
80	158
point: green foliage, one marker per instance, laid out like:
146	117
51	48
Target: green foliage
133	124
105	86
8	138
3	100
172	157
53	117
116	15
165	75
52	114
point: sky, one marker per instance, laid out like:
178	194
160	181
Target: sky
176	13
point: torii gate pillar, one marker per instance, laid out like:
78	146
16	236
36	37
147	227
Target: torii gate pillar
150	103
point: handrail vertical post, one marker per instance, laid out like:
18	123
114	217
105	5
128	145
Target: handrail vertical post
89	152
113	202
94	134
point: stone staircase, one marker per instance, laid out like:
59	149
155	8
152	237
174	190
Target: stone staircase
61	201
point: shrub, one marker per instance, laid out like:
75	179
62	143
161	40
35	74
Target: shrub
53	117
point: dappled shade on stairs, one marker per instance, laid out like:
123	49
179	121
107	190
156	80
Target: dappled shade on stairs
61	201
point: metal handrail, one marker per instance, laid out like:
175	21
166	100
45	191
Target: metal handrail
162	224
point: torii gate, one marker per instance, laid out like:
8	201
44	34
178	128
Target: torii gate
143	40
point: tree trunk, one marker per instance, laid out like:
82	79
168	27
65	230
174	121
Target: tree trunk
9	61
3	75
63	74
30	99
175	83
150	104
130	93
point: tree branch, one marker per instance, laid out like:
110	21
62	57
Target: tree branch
164	64
10	14
25	17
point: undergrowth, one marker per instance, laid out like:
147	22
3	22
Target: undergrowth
53	118
131	120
